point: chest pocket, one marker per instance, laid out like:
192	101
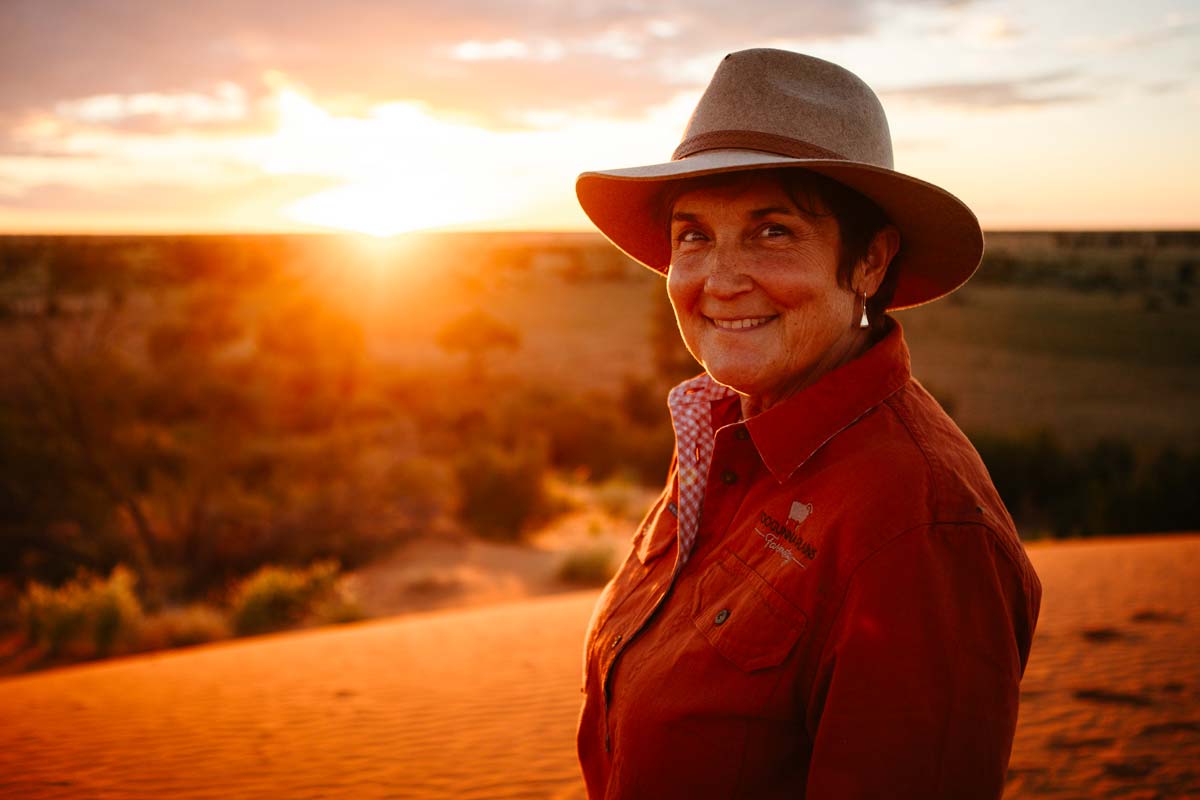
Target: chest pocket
749	623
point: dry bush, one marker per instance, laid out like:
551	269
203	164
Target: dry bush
183	627
593	565
88	616
503	490
1105	488
277	598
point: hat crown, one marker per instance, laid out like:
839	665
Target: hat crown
794	97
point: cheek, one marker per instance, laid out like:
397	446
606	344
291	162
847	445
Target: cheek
682	293
684	297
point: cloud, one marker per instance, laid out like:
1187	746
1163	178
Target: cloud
249	203
1038	90
1173	27
227	103
1163	87
508	50
496	59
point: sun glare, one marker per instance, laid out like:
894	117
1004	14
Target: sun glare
401	168
386	208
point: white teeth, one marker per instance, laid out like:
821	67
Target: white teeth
740	324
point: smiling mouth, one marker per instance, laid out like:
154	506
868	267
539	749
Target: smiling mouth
740	324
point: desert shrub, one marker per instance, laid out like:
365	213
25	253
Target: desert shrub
646	453
275	598
502	490
432	582
644	400
476	334
89	615
593	435
338	607
588	566
183	627
1103	488
620	498
1033	474
1166	498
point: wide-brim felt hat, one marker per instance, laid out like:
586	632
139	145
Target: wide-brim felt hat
768	108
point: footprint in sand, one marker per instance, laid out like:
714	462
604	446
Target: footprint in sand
1132	769
1103	634
1065	743
1169	728
1156	615
1115	698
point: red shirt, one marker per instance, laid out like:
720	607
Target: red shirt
853	620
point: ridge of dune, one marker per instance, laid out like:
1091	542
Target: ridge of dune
482	702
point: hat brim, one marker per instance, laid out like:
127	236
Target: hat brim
941	241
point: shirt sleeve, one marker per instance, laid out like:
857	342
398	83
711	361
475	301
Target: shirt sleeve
917	686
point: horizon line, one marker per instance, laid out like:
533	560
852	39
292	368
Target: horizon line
491	231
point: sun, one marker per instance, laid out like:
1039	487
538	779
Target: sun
396	169
387	208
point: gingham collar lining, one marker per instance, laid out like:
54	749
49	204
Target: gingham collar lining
691	416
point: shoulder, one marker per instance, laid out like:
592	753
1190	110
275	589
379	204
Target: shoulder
906	464
904	472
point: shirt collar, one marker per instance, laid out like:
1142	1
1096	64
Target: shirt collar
788	434
700	389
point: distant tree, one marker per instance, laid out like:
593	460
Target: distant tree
476	334
73	389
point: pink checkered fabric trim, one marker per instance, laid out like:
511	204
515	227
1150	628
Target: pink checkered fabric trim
691	415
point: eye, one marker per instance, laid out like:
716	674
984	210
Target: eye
690	235
774	230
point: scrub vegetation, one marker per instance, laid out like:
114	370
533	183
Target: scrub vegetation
198	435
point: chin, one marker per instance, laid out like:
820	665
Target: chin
737	379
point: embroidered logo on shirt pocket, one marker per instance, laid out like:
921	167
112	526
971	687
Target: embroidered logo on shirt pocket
743	617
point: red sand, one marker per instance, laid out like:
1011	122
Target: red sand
481	703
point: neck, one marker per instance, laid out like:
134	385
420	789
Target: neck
845	350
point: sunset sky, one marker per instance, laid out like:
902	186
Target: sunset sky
378	116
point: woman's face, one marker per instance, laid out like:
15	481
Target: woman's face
754	284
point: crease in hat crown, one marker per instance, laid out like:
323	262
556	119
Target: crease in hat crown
778	94
767	108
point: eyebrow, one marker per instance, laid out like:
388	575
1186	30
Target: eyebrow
758	213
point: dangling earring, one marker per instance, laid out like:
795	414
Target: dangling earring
863	322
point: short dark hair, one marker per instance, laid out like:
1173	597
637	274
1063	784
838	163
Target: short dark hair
858	219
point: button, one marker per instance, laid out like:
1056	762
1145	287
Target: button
721	616
729	477
741	434
616	641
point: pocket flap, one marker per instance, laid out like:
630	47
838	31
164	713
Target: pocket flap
744	618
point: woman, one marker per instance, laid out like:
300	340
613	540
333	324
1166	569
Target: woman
829	599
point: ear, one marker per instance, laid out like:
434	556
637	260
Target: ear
874	265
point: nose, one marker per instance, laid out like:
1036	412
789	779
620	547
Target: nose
727	276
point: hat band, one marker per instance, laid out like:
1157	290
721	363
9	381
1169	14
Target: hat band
752	140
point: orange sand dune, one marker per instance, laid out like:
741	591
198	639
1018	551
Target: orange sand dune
481	703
